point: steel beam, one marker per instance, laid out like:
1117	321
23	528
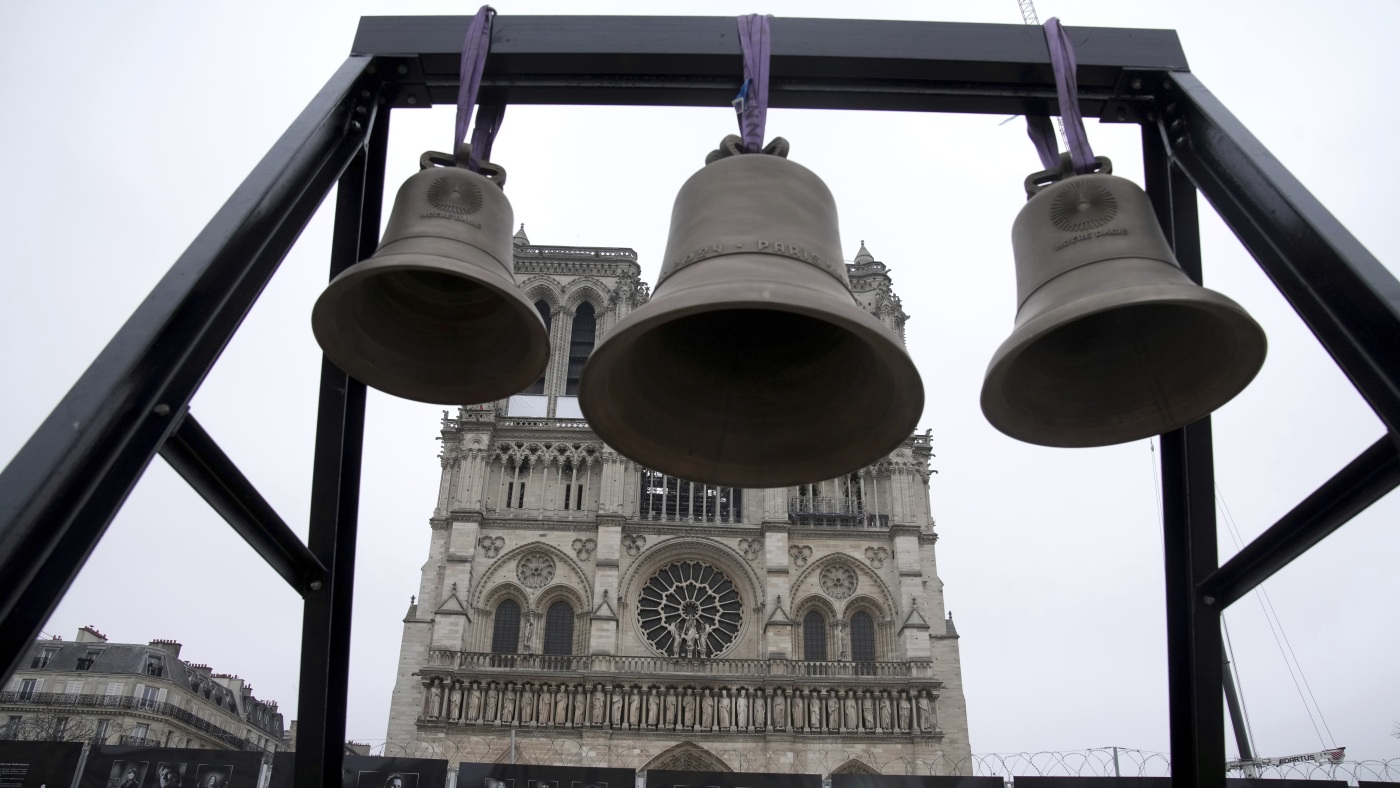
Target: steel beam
199	460
1361	483
1194	676
335	495
62	489
816	63
1339	289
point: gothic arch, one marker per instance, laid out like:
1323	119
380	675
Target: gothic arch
682	548
870	583
855	766
687	757
808	604
883	621
560	592
543	288
585	288
494	578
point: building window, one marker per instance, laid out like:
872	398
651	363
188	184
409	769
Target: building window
538	386
41	660
505	639
149	697
581	338
60	727
814	637
671	499
86	660
26	689
140	731
155	665
862	637
514	500
100	735
559	629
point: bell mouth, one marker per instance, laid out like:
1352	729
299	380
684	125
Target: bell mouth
430	329
1124	372
740	377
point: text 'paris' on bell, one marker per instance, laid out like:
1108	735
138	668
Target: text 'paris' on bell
752	364
435	314
1113	342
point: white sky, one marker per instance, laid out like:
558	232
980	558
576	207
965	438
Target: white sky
128	125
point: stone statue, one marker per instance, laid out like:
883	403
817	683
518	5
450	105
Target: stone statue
676	628
850	717
814	711
925	713
454	697
528	638
527	704
904	711
689	639
688	710
492	696
668	717
653	707
634	709
726	711
886	715
435	699
707	710
833	711
508	705
596	706
702	643
474	703
561	706
580	704
799	714
760	709
741	710
546	706
615	718
867	711
779	710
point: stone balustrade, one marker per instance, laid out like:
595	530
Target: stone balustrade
739	707
478	662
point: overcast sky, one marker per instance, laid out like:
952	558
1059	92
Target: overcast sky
129	124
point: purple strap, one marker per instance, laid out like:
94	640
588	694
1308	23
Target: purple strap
756	41
1042	133
474	49
1067	88
488	122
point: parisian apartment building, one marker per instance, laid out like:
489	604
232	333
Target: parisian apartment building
577	608
92	690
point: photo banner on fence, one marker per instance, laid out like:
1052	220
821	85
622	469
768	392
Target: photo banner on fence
666	778
916	781
505	775
371	771
31	764
170	767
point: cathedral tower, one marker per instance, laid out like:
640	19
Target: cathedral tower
612	615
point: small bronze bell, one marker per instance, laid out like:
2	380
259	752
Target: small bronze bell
435	314
1113	341
752	364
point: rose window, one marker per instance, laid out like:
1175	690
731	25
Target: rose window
535	570
689	609
838	581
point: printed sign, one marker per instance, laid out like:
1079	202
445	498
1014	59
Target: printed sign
505	775
371	771
38	764
169	767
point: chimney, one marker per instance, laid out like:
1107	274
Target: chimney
90	635
168	646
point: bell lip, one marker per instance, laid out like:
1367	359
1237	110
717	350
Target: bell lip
896	425
1028	430
471	391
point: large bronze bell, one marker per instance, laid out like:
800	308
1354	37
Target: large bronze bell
435	314
1113	341
752	364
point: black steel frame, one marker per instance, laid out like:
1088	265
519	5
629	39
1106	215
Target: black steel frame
64	487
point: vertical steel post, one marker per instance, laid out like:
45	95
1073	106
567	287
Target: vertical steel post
1196	710
335	495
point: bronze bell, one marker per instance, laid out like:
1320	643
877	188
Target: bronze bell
752	364
435	314
1113	341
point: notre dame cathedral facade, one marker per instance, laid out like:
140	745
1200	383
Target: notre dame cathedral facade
576	608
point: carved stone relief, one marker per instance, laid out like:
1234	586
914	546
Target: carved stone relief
535	570
800	554
491	545
838	580
751	548
634	544
876	556
584	548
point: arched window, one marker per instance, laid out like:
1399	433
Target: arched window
814	637
559	628
538	386
862	637
580	345
506	637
